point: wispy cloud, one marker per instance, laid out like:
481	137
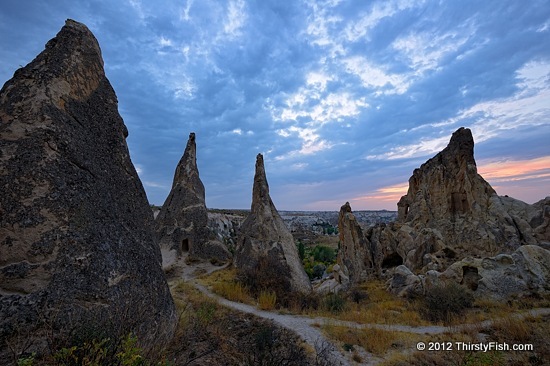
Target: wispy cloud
515	170
343	96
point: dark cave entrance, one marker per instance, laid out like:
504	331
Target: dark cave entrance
392	260
185	245
470	277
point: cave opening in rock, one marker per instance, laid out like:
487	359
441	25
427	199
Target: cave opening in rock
470	277
185	245
392	260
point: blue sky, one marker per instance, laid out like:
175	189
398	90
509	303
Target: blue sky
343	98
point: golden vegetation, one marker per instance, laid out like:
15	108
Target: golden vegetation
267	300
224	283
373	340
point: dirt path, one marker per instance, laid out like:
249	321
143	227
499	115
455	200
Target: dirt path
309	328
300	325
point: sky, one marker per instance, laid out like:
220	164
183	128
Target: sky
343	98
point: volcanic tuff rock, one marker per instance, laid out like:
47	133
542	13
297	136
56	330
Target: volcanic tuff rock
182	223
264	234
76	231
449	213
521	273
355	254
458	212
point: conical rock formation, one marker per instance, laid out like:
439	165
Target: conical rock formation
449	213
355	255
76	231
264	234
181	224
454	212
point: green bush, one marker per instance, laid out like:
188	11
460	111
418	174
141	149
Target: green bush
445	301
324	254
301	250
318	270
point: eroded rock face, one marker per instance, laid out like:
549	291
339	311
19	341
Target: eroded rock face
355	256
264	234
76	231
182	223
453	212
524	272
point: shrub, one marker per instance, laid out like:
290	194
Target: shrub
324	254
267	300
300	302
357	295
444	302
26	361
301	250
318	270
268	274
334	303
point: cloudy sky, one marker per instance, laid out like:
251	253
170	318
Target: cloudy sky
343	98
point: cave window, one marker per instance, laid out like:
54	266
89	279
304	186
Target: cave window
185	245
393	260
470	277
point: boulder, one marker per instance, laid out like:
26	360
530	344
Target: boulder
264	235
182	224
524	272
77	251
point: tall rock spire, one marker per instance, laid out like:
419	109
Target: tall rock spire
76	230
354	257
181	224
264	235
187	172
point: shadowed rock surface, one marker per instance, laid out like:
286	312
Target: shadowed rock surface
182	223
76	232
355	255
264	234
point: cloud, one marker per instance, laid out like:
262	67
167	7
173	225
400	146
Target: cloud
345	98
515	170
381	196
236	17
489	119
374	77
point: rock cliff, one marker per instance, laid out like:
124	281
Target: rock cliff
182	223
76	231
264	234
451	212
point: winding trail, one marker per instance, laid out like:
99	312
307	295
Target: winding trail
300	325
309	328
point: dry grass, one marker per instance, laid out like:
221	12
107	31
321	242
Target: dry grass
218	335
267	300
373	340
224	283
379	307
511	330
233	291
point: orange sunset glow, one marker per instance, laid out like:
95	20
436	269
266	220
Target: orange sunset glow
534	175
